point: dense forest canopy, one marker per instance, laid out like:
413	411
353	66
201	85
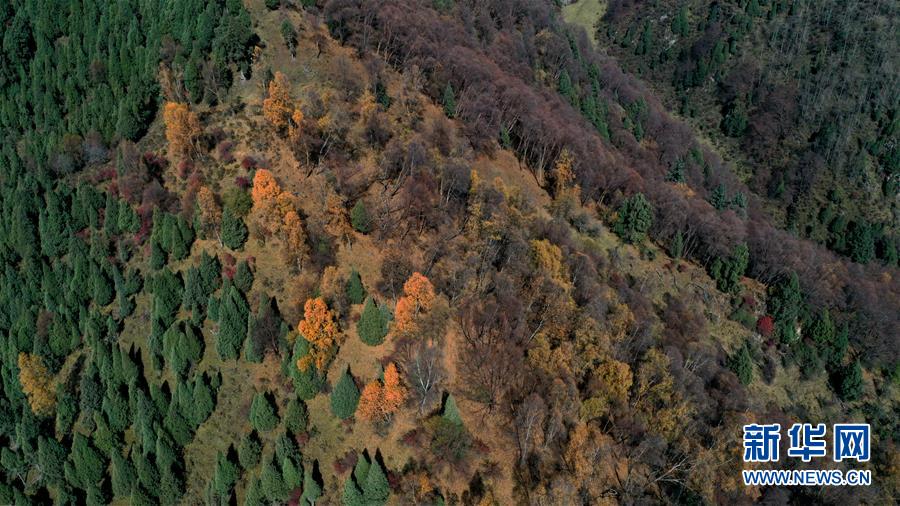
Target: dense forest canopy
441	251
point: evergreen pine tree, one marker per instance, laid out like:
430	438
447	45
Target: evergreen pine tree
352	495
345	396
451	412
742	365
254	493
851	385
233	313
359	218
376	489
635	219
356	294
249	450
311	490
234	232
243	277
372	325
292	474
295	417
263	416
449	101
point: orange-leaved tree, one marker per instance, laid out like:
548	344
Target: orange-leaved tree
394	392
270	203
418	297
381	399
182	129
319	328
279	107
36	383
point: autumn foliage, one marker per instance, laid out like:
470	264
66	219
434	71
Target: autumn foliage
36	383
182	129
418	297
319	328
280	108
274	212
379	400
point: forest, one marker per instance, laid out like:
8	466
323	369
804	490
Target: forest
442	251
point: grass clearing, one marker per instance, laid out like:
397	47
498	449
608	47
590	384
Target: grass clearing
585	13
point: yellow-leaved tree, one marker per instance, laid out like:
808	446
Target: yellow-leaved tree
37	383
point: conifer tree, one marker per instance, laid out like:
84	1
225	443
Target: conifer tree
635	217
311	490
851	382
356	294
295	416
359	218
376	489
233	317
225	476
352	495
372	325
234	232
254	493
243	277
292	474
345	396
449	101
272	482
249	450
263	416
450	411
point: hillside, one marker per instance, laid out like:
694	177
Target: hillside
398	253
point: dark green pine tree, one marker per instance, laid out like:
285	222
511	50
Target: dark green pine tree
680	24
225	476
567	89
311	490
861	243
233	313
356	294
718	199
345	396
263	416
292	474
122	475
372	325
376	489
273	486
359	218
352	495
249	450
52	459
676	249
742	365
234	232
295	416
449	101
834	351
635	217
243	277
785	305
451	412
851	382
254	494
